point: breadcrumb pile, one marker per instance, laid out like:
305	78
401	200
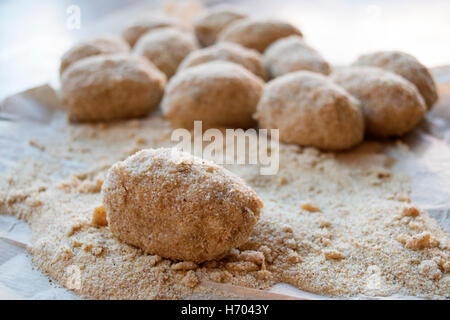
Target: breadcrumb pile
335	225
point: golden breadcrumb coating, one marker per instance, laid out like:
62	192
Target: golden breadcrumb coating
178	206
219	93
292	54
166	48
209	24
408	67
227	51
311	110
101	45
361	199
258	33
392	106
110	87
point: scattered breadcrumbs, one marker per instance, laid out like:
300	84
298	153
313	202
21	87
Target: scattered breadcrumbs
309	207
360	241
99	217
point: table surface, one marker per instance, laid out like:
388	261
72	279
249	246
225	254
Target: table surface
35	33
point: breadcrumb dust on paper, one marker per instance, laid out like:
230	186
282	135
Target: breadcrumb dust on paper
367	237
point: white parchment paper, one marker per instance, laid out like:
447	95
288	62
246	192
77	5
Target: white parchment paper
30	112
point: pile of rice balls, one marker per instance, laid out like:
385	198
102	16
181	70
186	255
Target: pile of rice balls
235	71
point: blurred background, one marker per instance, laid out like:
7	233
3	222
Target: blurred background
36	33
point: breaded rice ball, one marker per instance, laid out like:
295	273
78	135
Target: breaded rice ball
101	45
134	31
310	110
178	206
210	23
406	66
391	104
257	33
110	87
292	54
219	93
166	48
227	51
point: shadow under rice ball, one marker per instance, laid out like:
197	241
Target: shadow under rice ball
178	206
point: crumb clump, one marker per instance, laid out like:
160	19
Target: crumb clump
333	255
184	265
309	207
99	217
190	280
410	211
242	266
418	242
430	269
